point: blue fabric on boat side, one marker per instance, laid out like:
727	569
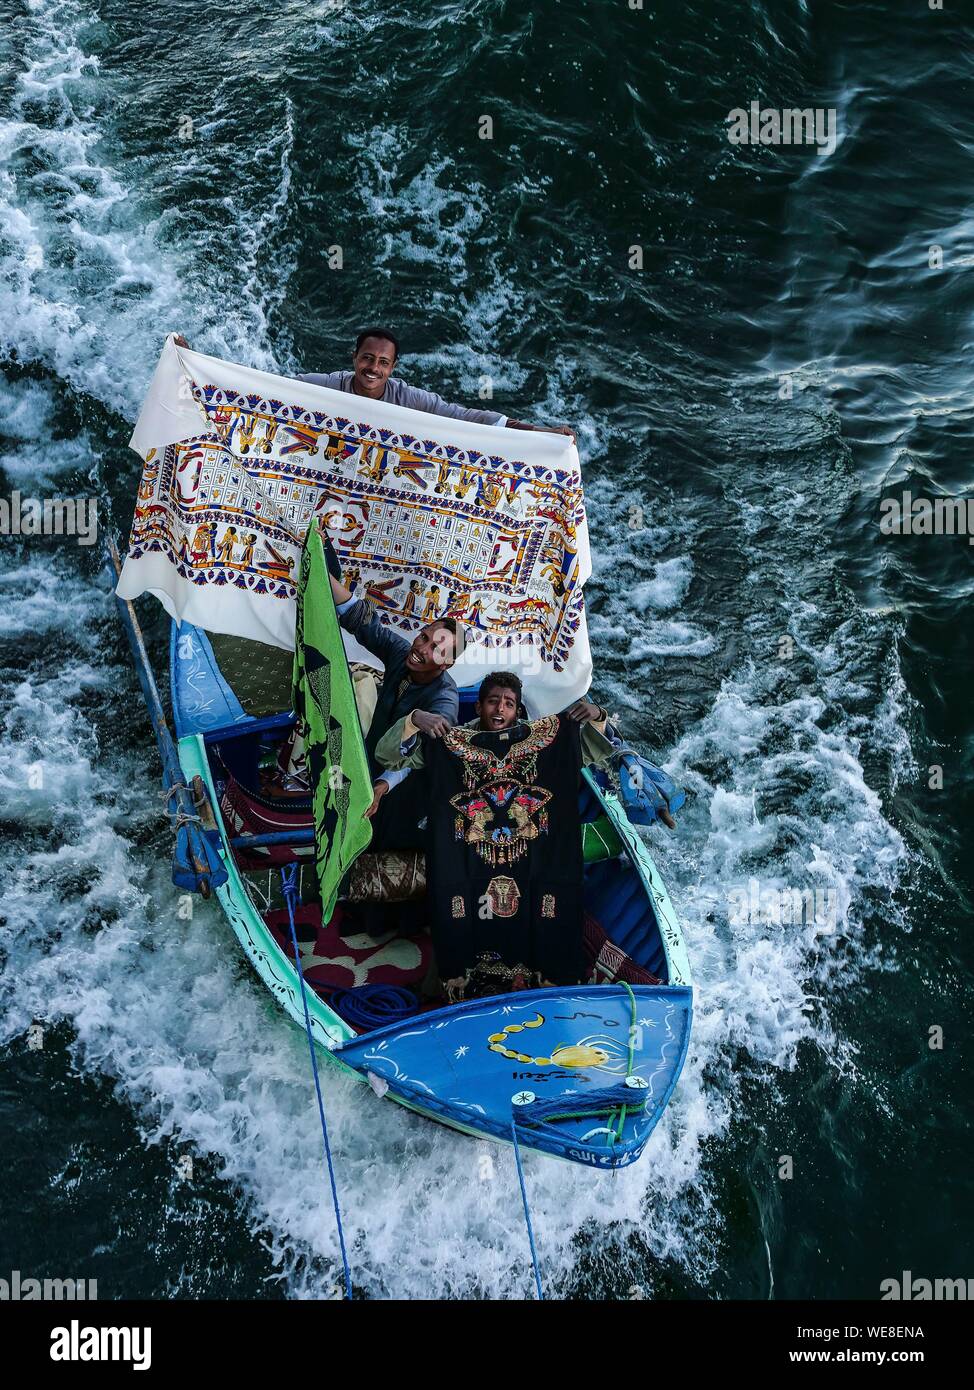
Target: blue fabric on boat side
615	897
201	698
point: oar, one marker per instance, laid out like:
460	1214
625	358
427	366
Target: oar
196	865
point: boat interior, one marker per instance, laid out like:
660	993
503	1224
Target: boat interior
226	690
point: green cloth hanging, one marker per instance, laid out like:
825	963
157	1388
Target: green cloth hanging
324	703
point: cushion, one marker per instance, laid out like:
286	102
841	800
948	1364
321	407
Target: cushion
259	675
606	962
330	960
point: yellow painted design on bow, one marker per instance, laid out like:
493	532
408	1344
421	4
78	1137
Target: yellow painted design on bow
578	1055
570	1055
604	1054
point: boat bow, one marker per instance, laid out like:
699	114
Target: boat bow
582	1072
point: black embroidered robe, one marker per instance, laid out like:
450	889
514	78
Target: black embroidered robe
504	858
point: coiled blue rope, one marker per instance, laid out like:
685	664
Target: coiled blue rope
289	876
372	1006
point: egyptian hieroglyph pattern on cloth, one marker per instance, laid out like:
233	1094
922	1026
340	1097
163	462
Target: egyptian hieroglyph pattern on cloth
430	517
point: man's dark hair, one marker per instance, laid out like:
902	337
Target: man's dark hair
377	333
505	680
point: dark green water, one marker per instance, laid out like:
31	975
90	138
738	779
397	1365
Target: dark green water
785	357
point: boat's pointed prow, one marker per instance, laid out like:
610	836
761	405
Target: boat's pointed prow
584	1072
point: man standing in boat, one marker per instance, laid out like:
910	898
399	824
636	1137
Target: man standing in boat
416	681
374	357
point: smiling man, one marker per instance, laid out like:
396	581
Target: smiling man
416	680
373	360
374	357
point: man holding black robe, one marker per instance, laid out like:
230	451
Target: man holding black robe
504	840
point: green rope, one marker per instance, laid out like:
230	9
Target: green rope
632	1047
610	1110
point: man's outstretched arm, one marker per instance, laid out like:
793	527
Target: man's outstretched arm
541	429
419	399
358	618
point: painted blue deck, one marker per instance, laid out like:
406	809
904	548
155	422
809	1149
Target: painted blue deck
567	1043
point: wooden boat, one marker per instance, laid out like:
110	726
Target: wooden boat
581	1072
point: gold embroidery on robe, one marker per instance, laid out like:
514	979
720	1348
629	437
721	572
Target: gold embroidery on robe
503	896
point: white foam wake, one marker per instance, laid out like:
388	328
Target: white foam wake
92	276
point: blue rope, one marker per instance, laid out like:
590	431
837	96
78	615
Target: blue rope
599	1102
371	1006
527	1211
289	885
